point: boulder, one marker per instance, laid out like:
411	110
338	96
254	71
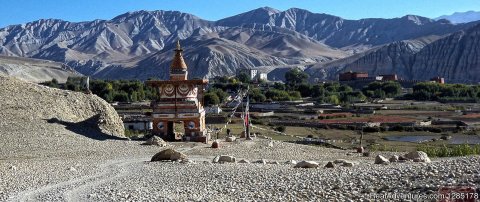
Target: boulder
244	161
330	165
270	144
366	154
230	139
338	161
216	159
418	156
393	159
291	162
348	164
168	155
360	150
187	161
215	145
226	159
379	159
156	141
306	164
262	161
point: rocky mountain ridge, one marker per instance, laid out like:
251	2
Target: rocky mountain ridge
455	57
134	44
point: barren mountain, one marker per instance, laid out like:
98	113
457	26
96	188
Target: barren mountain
342	33
455	57
205	56
35	70
91	45
128	45
461	17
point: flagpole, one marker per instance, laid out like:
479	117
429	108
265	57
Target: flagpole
247	117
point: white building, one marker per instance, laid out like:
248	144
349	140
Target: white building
262	76
254	74
213	110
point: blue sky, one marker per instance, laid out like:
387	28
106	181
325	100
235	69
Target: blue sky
21	11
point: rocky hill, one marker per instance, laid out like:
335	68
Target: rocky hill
46	114
127	44
35	70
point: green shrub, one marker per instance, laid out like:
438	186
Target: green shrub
371	129
281	129
435	130
449	151
397	128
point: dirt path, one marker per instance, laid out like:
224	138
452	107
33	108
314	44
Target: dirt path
78	189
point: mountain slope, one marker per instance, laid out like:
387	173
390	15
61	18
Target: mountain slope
205	56
461	17
341	33
114	48
35	70
455	57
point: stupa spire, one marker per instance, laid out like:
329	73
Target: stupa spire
178	68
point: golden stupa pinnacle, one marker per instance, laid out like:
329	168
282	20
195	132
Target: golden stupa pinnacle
178	45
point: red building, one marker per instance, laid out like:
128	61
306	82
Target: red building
389	77
349	76
438	79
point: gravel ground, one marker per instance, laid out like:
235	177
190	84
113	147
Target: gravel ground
131	177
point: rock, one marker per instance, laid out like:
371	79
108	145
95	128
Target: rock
216	159
227	159
244	161
306	164
215	145
338	161
403	158
262	161
14	168
446	137
348	164
230	139
270	144
72	169
168	155
379	159
274	163
291	162
187	161
366	154
418	156
360	150
156	141
394	158
330	165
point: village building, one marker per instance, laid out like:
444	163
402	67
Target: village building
179	101
438	79
350	76
254	74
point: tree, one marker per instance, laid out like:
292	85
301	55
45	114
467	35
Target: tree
256	95
305	89
244	77
295	76
211	99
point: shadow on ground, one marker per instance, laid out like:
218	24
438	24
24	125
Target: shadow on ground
88	128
